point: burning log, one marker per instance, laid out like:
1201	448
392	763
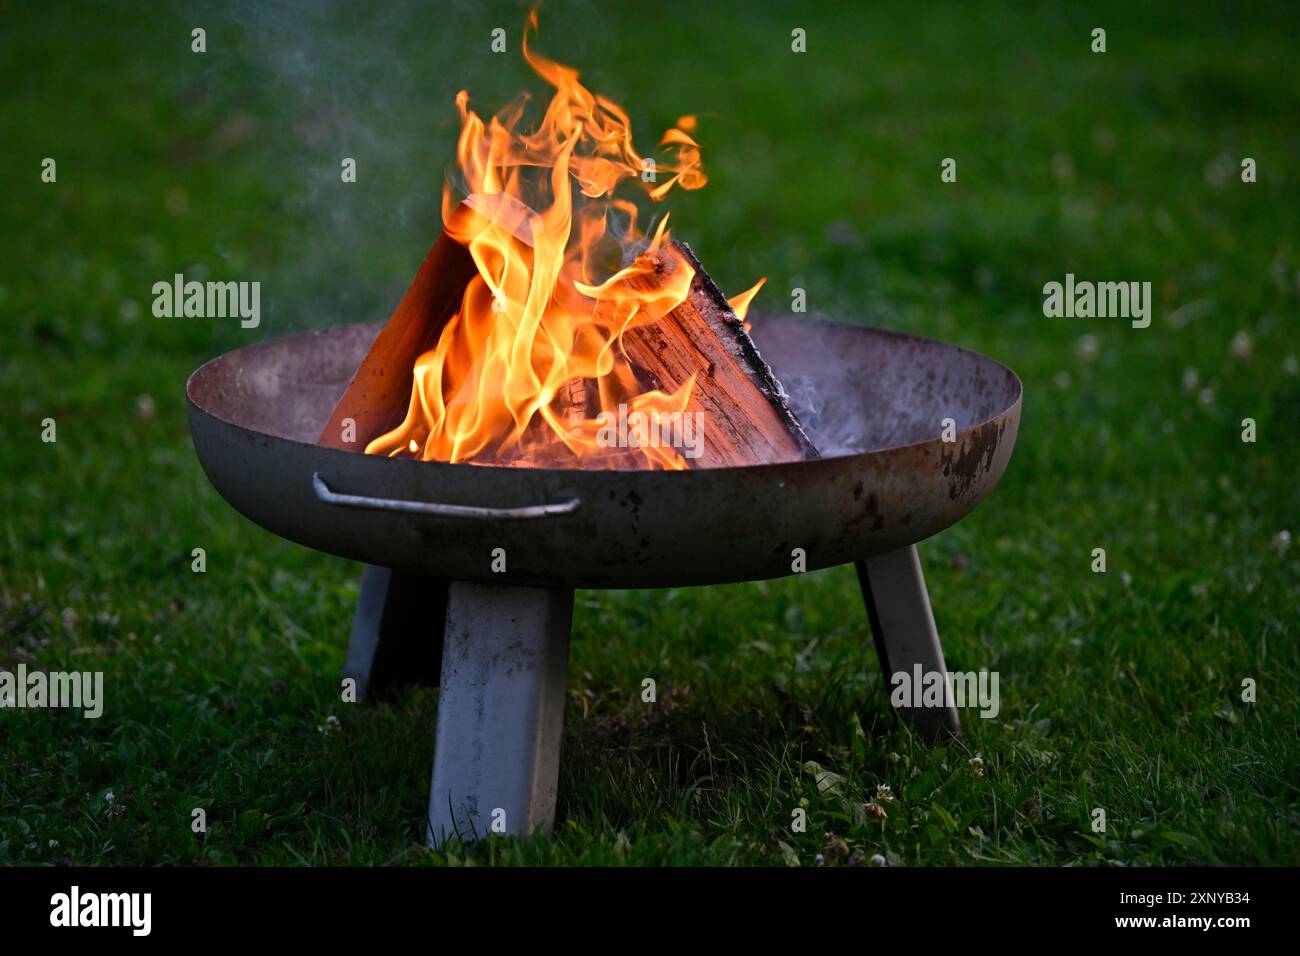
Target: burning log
507	350
740	408
737	413
379	393
746	419
377	397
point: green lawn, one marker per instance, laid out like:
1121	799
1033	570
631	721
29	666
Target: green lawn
1119	690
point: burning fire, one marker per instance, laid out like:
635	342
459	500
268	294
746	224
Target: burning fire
740	303
522	372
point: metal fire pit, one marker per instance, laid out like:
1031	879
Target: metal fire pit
434	535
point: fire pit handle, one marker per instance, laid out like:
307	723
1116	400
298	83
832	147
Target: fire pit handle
331	497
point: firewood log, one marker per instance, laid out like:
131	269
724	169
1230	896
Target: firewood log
744	416
377	398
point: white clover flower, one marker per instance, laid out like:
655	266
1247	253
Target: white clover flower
1241	346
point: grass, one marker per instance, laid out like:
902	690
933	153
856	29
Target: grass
1119	690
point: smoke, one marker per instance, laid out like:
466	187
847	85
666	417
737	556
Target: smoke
832	434
304	87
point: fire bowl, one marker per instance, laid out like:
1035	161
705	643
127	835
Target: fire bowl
437	603
880	398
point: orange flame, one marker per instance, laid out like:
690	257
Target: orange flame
740	303
521	373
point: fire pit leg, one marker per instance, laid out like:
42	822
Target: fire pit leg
906	638
500	711
391	646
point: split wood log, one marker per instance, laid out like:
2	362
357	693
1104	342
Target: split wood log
379	394
746	417
743	409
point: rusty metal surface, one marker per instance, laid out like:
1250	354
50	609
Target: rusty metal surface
255	412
